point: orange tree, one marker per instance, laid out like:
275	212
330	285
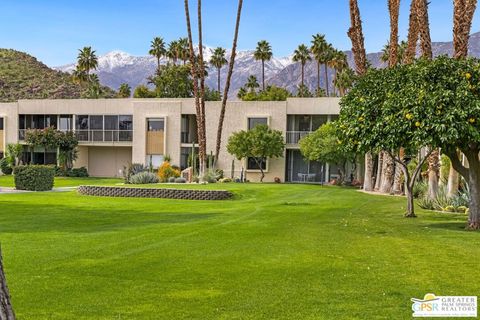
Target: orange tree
428	103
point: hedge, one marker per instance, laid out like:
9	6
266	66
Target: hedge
34	177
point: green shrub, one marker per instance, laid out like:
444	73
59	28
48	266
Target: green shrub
442	200
210	176
180	180
171	180
78	172
225	180
426	203
5	166
34	177
420	189
143	178
132	169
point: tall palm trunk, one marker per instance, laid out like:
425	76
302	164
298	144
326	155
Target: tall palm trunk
263	75
303	74
318	75
227	84
411	50
203	144
218	79
462	22
334	80
326	80
388	173
360	57
196	93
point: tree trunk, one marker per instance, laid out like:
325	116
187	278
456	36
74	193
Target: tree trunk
263	75
326	80
410	202
318	75
218	79
368	179
397	181
203	144
378	176
334	80
433	173
453	182
196	92
387	174
6	309
303	73
221	118
474	184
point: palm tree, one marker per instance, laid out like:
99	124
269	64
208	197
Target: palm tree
462	23
124	91
355	33
302	55
252	83
241	93
386	163
231	64
173	51
338	63
183	49
87	60
344	80
318	46
157	49
218	60
402	47
264	53
327	62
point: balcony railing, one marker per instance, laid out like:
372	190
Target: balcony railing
104	135
95	135
292	137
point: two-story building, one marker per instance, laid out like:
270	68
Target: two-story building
114	132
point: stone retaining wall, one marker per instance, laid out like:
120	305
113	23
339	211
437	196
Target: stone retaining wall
183	194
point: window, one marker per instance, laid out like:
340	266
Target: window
156	125
253	165
186	157
125	122
253	122
65	123
154	160
111	128
125	125
81	122
96	126
318	121
1	123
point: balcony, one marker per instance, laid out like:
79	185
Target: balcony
292	137
104	135
95	135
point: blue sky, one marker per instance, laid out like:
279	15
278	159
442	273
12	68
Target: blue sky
53	30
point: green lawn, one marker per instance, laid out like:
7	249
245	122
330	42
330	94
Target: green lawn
275	252
7	181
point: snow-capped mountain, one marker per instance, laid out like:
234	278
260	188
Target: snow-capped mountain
117	67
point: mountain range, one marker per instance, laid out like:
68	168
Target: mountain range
117	67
